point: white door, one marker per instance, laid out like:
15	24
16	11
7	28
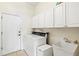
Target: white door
41	20
72	11
59	15
0	34
11	31
49	18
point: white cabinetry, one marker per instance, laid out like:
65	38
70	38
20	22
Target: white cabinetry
59	15
35	22
72	13
64	14
67	14
49	19
43	20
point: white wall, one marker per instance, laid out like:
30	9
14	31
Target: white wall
59	33
24	10
43	6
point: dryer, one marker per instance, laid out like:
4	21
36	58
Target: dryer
33	42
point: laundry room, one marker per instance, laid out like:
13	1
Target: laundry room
39	28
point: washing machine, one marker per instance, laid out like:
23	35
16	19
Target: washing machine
32	43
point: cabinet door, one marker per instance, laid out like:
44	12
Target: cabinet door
0	34
72	11
49	19
41	20
35	22
59	15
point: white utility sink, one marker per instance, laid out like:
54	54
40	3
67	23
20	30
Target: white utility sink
66	49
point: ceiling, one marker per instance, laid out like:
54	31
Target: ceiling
33	3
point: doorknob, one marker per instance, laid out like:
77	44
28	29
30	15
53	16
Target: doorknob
19	34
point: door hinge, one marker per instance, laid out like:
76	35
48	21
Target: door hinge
1	33
1	17
1	48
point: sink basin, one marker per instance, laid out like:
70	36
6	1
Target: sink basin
66	49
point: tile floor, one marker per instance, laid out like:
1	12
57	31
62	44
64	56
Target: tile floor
17	53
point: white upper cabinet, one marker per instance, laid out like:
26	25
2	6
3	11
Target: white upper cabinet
49	19
35	22
63	15
43	20
72	14
67	14
59	15
38	21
